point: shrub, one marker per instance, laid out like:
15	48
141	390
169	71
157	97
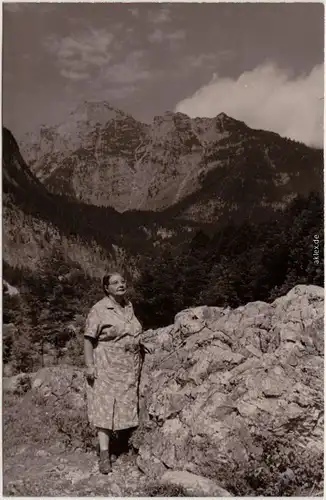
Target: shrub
282	470
24	385
74	351
23	352
75	429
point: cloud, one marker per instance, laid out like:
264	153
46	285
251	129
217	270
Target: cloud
77	54
266	97
159	16
134	11
201	60
159	36
121	92
194	63
130	70
74	75
208	60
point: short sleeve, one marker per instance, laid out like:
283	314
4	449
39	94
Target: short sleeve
92	324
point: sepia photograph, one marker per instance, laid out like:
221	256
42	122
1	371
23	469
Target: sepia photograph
163	249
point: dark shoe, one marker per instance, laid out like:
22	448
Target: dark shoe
104	462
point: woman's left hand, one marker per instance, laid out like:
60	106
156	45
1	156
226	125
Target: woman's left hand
131	346
146	348
90	374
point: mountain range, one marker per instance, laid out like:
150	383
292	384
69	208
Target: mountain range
203	169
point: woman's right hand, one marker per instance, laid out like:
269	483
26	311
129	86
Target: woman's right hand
90	373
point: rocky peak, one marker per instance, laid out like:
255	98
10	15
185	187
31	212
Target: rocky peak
170	126
227	123
96	112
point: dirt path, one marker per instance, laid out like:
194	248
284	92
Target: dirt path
31	471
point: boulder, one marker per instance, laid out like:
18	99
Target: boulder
224	380
193	485
62	383
9	289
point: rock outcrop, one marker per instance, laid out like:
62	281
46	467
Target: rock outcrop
221	378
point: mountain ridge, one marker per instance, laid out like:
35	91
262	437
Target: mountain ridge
105	157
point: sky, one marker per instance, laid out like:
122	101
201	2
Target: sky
260	63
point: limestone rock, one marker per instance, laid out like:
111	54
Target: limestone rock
9	290
222	378
193	484
61	383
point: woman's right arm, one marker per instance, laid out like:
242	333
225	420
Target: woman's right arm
88	349
90	371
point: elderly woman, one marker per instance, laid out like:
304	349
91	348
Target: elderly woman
113	363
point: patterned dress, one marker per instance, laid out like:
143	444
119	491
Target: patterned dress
112	399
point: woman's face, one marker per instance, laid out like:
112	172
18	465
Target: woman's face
117	286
